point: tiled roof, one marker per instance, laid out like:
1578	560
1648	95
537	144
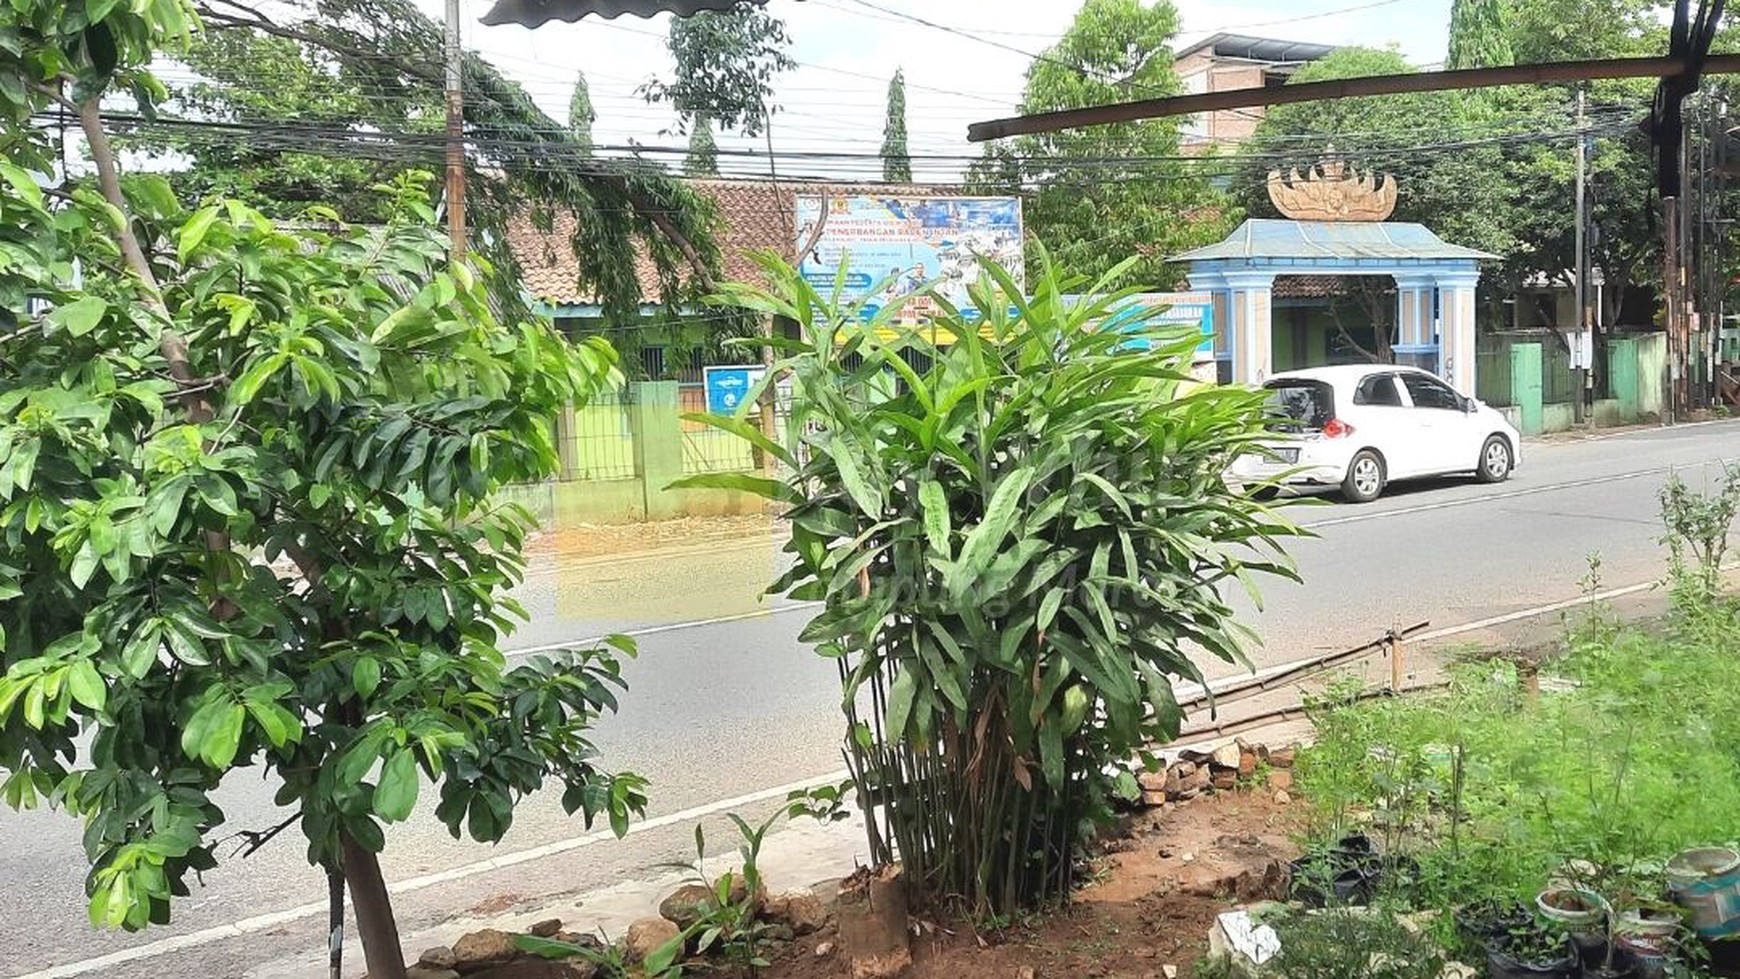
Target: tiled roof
1309	286
754	214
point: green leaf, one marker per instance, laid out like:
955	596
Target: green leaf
248	386
214	733
405	325
1051	751
767	489
660	960
140	653
984	540
80	317
279	725
194	231
186	646
869	501
900	697
936	516
746	431
87	685
396	796
365	676
21	183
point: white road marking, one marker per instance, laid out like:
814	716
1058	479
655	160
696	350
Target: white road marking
1508	495
654	630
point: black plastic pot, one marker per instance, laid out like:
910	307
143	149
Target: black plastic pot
1344	875
1724	956
1319	882
1485	921
1355	846
1625	966
1500	964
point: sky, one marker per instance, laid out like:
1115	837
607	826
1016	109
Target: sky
834	103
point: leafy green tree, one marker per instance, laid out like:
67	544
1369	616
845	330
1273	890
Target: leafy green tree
350	92
725	66
247	511
996	171
703	156
580	112
1007	561
1577	30
1104	193
896	160
278	117
1623	209
1478	38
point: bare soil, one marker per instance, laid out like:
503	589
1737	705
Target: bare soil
581	541
1154	897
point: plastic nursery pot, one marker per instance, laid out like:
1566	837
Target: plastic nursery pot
1482	922
1575	910
1624	966
1724	956
1706	882
1319	882
1649	936
1355	846
1502	962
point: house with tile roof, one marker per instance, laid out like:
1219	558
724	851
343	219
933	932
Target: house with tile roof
754	215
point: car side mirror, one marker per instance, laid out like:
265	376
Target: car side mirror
1470	406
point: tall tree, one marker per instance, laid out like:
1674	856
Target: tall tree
1626	247
580	113
725	66
1478	38
703	156
384	58
896	160
1102	194
248	512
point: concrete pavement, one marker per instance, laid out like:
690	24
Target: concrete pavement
724	701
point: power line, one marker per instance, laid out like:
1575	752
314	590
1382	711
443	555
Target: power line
1227	29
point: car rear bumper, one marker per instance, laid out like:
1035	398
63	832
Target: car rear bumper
1317	463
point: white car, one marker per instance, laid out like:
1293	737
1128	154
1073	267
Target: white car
1362	427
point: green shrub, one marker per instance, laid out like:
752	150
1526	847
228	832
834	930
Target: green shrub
1018	538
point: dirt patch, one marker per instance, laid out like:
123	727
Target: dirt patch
601	540
1155	894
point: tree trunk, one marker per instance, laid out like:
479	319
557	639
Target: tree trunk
334	921
374	911
873	922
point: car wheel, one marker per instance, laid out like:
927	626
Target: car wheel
1495	460
1365	478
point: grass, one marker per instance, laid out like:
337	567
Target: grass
1496	792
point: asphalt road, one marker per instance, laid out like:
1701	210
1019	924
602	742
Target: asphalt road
724	701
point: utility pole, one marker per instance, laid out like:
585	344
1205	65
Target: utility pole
455	134
1585	342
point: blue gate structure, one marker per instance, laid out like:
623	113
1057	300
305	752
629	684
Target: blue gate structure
1435	284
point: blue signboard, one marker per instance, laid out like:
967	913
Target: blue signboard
1185	309
728	386
893	247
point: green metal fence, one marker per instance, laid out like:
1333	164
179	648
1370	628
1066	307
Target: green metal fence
596	440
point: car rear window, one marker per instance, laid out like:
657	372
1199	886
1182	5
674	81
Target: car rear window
1297	405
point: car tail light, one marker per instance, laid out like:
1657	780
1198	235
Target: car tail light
1335	428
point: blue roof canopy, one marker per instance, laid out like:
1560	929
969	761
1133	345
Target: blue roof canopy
1261	239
